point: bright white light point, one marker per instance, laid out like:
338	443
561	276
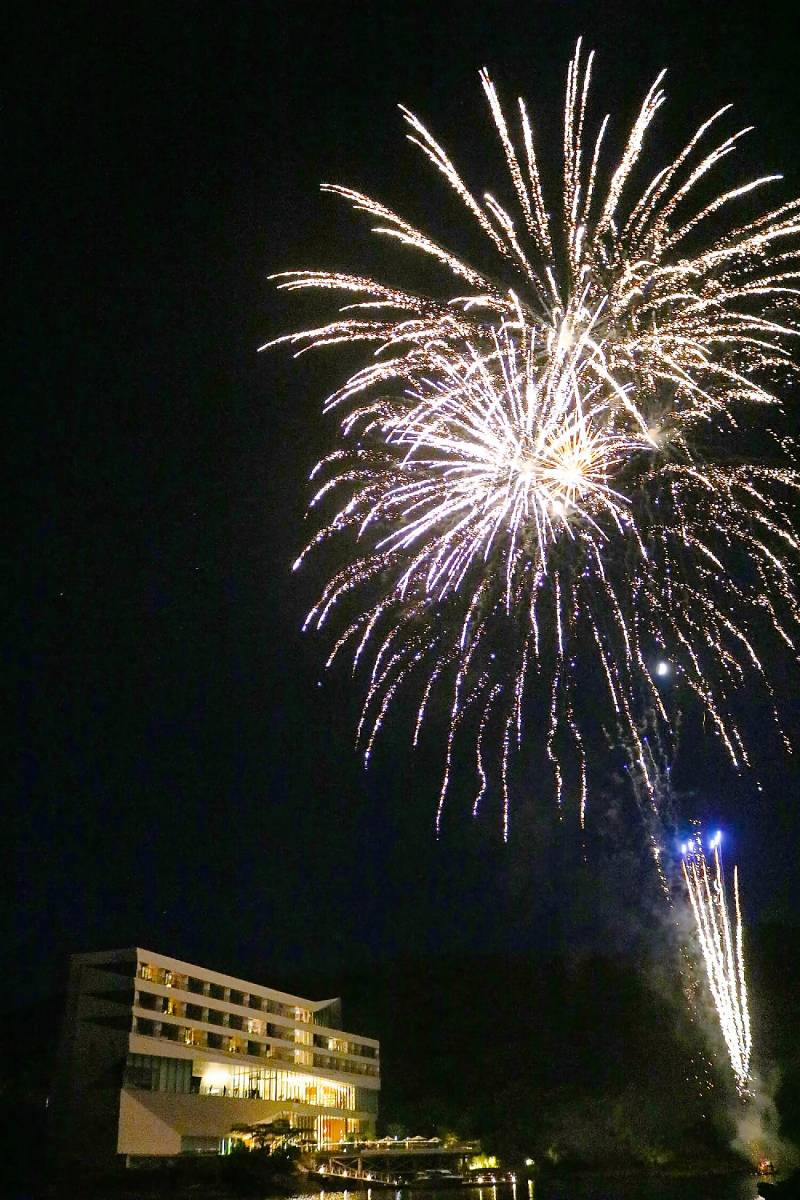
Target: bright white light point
662	668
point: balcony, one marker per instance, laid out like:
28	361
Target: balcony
292	1053
347	1066
193	1037
285	1056
280	1033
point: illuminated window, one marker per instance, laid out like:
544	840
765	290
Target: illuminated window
172	979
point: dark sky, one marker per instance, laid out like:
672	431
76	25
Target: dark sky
175	776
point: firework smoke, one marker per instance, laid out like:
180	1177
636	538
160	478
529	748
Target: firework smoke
757	1125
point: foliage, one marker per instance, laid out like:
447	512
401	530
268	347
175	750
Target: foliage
277	1138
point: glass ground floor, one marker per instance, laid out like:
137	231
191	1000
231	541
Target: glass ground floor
158	1073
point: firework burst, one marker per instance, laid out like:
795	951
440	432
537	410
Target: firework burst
721	948
547	479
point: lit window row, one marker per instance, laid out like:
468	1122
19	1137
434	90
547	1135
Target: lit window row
232	1044
154	1002
153	1073
217	991
288	1087
343	1046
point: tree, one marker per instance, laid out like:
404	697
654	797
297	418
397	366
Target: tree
272	1136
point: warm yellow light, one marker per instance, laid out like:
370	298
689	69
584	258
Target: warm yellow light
483	1162
216	1076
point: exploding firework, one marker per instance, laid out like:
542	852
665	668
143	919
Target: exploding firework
546	484
721	948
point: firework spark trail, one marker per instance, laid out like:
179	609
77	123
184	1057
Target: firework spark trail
721	948
548	480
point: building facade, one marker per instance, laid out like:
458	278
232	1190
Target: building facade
161	1057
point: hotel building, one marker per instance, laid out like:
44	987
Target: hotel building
160	1057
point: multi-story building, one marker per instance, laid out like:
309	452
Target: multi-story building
159	1057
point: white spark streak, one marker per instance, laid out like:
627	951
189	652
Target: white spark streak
555	449
722	951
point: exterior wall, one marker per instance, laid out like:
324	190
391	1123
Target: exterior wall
145	1126
93	1047
286	1050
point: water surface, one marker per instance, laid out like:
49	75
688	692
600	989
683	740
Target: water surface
578	1188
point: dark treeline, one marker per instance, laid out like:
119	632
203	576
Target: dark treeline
592	1059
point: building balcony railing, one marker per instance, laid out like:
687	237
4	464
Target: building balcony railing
328	1062
170	1026
163	977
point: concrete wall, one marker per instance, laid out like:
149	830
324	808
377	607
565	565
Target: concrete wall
91	1057
155	1122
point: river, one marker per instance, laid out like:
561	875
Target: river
577	1188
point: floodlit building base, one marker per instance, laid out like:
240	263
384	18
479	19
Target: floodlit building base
168	1125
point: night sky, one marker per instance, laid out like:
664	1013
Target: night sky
176	775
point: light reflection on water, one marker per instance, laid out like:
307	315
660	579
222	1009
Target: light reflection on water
579	1188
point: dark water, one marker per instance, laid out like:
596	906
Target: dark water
589	1188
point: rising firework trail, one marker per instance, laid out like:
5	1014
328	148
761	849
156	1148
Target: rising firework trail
550	494
720	941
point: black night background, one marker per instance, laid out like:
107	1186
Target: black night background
180	771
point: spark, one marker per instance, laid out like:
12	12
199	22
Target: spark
721	946
546	481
